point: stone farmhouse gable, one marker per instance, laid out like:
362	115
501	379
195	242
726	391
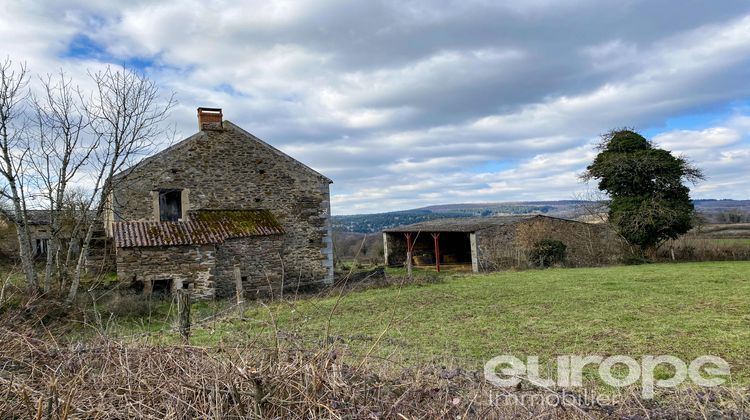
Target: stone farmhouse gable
220	202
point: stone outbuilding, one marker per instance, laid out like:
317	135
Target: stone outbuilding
489	243
39	233
218	206
40	236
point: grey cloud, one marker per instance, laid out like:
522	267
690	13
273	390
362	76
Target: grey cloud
404	102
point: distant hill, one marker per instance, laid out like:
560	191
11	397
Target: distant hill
714	210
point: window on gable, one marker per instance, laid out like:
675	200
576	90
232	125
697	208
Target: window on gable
170	205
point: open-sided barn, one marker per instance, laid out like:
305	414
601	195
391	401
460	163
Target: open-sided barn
488	243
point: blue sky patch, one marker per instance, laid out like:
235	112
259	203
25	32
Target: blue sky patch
698	121
493	166
82	47
230	90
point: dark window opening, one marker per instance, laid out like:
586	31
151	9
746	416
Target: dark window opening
262	171
137	287
41	247
243	278
161	287
170	205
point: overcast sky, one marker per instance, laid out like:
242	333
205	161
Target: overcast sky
411	103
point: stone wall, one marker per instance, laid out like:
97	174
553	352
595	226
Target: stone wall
184	265
503	247
587	244
260	264
9	239
208	270
231	169
395	243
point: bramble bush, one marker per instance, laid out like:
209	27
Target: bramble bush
547	252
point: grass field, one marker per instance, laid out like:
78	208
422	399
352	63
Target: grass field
686	310
731	241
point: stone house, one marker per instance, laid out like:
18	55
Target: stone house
493	243
220	206
40	233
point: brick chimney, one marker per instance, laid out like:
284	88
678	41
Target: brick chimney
210	119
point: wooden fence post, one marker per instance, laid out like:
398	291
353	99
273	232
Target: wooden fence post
183	313
240	291
409	248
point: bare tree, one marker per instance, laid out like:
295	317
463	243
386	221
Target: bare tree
126	114
60	152
593	207
14	152
76	211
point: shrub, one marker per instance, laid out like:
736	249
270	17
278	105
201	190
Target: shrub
635	260
547	252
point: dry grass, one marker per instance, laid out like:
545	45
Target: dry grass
716	243
43	378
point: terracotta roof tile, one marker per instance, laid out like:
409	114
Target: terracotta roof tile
204	227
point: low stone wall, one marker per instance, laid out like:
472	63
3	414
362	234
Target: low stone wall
191	265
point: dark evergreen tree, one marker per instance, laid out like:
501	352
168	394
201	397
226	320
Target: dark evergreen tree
649	201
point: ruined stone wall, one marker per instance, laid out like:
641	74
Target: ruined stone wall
586	244
182	264
396	245
230	169
495	248
503	247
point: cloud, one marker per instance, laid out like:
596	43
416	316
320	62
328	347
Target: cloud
684	141
410	103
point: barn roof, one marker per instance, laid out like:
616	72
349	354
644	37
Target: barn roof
37	217
464	224
203	227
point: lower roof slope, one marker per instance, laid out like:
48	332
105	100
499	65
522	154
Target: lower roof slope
465	224
203	227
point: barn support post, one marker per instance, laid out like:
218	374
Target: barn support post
409	247
474	252
436	238
385	249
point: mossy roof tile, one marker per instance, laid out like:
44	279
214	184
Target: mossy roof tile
203	227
